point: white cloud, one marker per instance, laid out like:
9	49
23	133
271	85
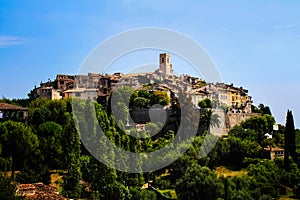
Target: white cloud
6	41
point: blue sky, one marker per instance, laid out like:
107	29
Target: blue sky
254	44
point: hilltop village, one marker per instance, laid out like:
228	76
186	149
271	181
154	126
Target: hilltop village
98	87
51	147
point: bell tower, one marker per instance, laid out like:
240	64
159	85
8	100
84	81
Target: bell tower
165	65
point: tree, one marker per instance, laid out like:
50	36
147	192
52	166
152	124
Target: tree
205	103
18	142
141	102
260	125
72	143
267	111
145	94
198	183
161	97
116	190
99	175
266	178
42	110
264	109
237	188
289	140
121	113
208	119
50	136
147	195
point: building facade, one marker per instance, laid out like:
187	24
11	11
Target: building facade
165	65
99	86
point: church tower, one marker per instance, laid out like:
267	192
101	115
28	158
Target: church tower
164	65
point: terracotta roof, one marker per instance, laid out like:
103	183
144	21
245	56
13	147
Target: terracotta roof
273	149
6	106
38	191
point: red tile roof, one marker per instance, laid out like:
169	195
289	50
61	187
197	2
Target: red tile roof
6	106
38	191
273	149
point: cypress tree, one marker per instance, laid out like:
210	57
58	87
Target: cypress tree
72	187
289	140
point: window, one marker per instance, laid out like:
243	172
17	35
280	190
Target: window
162	60
61	82
167	60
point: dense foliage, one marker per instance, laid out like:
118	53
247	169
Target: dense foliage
49	143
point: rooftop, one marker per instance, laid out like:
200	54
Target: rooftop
273	149
6	106
38	191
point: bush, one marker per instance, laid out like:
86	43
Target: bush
7	188
147	195
162	184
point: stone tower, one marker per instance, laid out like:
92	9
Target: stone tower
164	65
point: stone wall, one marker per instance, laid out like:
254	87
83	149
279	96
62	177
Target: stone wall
237	118
228	120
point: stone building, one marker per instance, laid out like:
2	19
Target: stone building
12	112
47	91
274	152
165	65
62	81
84	93
99	86
236	98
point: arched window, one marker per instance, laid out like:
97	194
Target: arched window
162	60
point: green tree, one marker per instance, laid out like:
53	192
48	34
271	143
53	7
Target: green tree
161	97
198	183
141	102
237	188
205	103
72	144
99	175
116	191
208	119
42	110
121	112
289	140
260	125
147	195
266	178
264	109
18	142
50	135
145	94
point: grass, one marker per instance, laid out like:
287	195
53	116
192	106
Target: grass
227	172
168	193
